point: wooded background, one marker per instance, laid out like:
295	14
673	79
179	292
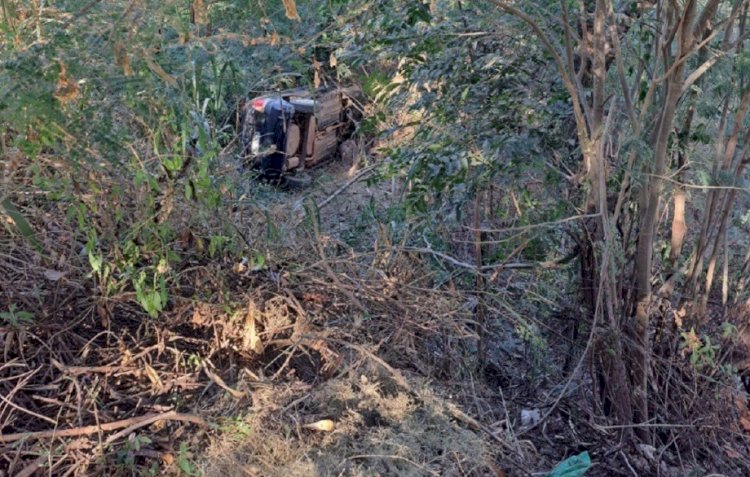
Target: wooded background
539	246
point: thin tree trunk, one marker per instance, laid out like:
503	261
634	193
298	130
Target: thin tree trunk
679	224
744	276
716	249
725	274
650	195
724	221
481	314
696	263
718	197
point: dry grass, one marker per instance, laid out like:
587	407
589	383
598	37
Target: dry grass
380	430
345	322
267	350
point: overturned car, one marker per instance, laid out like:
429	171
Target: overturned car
284	133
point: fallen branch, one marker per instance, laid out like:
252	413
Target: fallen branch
453	410
220	382
150	419
78	370
497	266
30	469
131	424
361	175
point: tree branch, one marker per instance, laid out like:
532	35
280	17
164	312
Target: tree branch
570	85
135	422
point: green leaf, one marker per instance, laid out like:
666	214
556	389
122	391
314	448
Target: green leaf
25	316
189	190
215	244
155	306
162	292
96	262
174	163
575	466
21	223
259	262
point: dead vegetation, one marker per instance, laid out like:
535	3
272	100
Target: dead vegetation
245	356
92	385
236	329
344	319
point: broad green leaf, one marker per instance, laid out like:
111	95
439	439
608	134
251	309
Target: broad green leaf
21	223
96	262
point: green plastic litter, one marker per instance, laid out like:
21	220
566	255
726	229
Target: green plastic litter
574	466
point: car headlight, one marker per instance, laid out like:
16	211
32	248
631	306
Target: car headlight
255	144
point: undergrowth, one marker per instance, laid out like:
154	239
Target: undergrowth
164	313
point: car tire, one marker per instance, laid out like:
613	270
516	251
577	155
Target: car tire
300	180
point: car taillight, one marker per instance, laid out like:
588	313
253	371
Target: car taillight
259	104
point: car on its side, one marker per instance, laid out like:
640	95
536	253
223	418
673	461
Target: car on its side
285	133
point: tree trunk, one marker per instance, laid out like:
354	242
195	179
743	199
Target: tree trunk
650	195
679	225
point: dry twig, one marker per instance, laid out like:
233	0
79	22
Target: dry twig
132	423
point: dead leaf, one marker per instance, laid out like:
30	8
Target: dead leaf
104	315
153	377
316	79
240	267
79	444
167	458
185	240
66	90
732	454
122	59
251	340
53	275
253	471
740	403
159	425
692	342
159	71
290	9
745	424
325	425
497	470
163	267
678	317
332	62
197	319
318	298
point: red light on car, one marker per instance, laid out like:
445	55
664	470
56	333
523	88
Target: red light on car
259	104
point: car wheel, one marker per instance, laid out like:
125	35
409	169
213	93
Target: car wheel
300	180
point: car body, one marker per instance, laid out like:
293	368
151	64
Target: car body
296	129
